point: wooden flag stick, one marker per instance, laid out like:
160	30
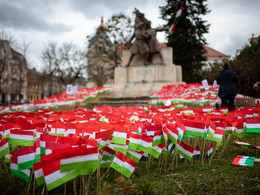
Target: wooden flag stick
215	149
29	185
65	189
34	186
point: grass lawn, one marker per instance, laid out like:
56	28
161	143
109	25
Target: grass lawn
220	177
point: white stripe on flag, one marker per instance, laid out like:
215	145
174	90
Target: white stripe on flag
38	173
13	166
184	151
195	129
136	154
118	161
145	144
79	159
133	140
4	147
255	125
129	167
21	137
119	134
55	176
26	158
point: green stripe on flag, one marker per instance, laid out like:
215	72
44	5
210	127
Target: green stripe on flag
124	171
26	165
20	174
40	180
119	140
79	165
63	180
21	142
4	152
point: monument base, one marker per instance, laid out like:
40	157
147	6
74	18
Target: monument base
143	80
138	89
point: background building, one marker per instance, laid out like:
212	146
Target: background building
13	75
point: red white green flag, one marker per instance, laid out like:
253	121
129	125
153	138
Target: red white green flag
185	150
4	148
119	136
253	125
106	157
133	141
52	175
134	155
21	138
23	174
123	164
79	158
26	157
209	149
38	173
243	161
176	19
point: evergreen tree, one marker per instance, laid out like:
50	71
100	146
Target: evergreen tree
187	39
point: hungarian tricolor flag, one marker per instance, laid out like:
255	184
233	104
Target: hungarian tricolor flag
4	147
26	157
185	150
253	125
123	164
79	158
52	175
243	161
176	19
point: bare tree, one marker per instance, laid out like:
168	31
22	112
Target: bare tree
66	63
101	71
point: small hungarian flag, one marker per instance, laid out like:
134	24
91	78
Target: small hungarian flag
106	157
185	150
4	148
176	19
253	125
196	152
134	155
145	143
209	150
79	158
243	161
173	132
119	136
22	138
242	143
156	150
23	174
157	138
52	175
133	141
38	173
195	127
123	164
26	157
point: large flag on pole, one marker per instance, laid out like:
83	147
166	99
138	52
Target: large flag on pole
176	19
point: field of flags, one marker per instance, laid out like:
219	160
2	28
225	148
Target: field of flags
187	95
56	147
61	99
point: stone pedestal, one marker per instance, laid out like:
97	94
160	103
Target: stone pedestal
142	80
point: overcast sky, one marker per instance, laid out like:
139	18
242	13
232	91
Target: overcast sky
39	21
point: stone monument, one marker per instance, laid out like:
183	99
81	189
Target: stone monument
145	67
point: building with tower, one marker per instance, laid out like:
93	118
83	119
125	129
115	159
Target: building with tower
102	58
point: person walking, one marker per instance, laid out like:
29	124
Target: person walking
227	81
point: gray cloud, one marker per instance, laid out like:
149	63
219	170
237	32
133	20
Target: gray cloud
24	18
94	9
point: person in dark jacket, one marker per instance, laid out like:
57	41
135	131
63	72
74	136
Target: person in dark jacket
227	81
